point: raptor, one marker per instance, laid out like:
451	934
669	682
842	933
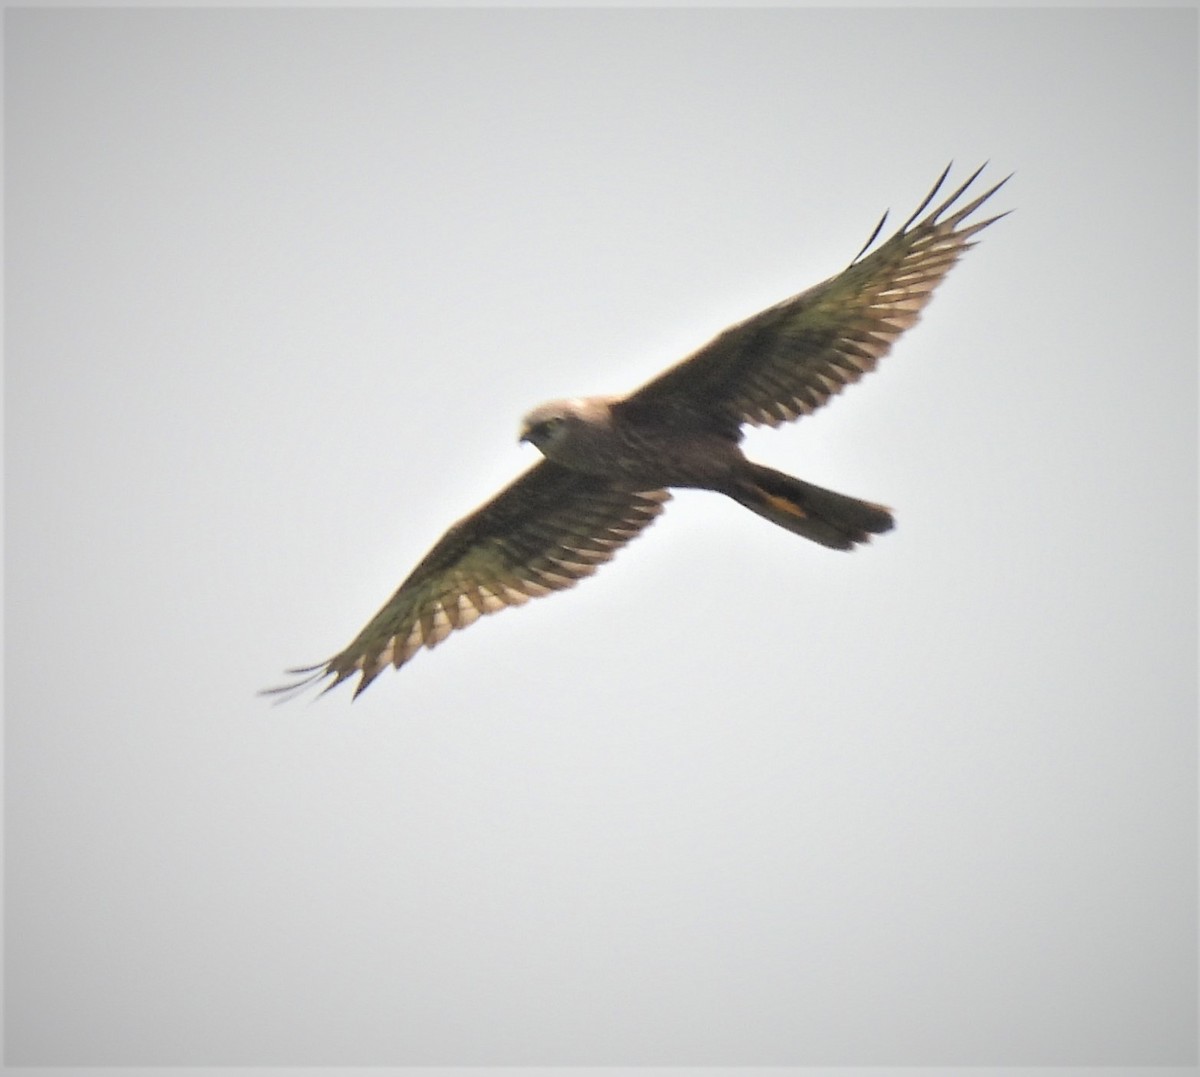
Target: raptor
609	462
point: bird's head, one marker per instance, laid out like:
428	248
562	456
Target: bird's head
551	426
546	423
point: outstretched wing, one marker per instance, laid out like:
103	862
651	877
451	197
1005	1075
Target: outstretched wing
789	359
549	528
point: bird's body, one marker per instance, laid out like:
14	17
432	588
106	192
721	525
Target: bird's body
630	448
633	446
609	462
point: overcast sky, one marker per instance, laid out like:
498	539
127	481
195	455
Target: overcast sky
281	284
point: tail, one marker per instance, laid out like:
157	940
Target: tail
812	511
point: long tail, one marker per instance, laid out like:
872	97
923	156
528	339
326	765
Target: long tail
816	513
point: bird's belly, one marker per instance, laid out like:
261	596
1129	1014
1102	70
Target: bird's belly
653	460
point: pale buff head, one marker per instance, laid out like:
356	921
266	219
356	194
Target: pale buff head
555	426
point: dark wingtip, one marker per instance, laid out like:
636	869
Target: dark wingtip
944	206
937	186
309	675
363	683
871	239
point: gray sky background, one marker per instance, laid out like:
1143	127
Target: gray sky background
280	285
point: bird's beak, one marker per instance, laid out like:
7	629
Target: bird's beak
524	434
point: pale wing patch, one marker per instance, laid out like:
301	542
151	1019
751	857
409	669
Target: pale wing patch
791	358
561	540
846	325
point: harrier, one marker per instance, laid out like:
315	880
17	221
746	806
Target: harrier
608	462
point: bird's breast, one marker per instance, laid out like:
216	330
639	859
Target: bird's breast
652	457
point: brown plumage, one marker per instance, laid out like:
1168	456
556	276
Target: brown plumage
609	461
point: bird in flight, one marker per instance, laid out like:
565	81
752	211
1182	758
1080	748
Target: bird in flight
609	462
